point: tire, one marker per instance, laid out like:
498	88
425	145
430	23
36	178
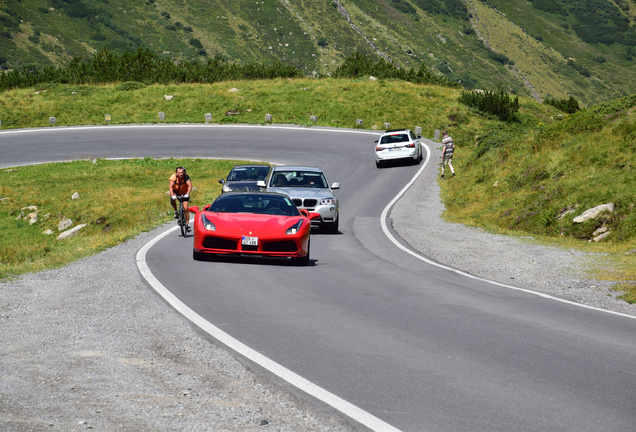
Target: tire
182	221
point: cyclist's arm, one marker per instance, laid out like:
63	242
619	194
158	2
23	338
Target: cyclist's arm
172	192
189	183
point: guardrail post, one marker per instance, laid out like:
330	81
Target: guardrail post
107	118
436	134
268	117
162	115
52	120
208	117
359	122
418	130
313	118
387	126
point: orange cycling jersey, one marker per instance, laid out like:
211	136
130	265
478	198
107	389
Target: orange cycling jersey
180	186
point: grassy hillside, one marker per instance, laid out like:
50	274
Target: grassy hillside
534	48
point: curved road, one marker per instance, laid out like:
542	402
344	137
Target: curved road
415	345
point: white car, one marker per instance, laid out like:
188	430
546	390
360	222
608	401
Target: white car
398	144
309	190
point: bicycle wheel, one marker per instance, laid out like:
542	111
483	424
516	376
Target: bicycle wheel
182	220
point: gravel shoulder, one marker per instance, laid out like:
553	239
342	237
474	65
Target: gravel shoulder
91	347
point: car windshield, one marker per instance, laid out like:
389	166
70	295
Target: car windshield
254	203
308	179
248	173
394	138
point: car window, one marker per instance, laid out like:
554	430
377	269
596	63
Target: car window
394	138
250	173
310	179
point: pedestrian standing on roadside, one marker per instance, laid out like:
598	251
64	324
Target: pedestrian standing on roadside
448	147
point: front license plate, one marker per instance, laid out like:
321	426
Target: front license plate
250	241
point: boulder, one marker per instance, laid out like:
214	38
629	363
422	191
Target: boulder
32	218
66	223
594	212
70	233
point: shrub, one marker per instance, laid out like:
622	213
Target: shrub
360	65
569	106
498	103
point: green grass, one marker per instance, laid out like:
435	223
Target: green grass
117	200
542	164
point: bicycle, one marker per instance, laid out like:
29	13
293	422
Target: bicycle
181	216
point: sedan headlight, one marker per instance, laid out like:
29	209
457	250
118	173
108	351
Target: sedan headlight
328	201
295	227
207	224
227	188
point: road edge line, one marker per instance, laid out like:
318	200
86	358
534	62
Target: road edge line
387	232
336	402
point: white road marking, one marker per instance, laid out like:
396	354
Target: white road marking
294	379
387	232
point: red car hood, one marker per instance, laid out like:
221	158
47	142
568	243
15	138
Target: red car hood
251	224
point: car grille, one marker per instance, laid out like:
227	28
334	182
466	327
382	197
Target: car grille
309	202
280	246
220	243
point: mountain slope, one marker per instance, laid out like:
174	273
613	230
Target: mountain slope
538	48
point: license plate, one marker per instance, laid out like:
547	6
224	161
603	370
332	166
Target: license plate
250	241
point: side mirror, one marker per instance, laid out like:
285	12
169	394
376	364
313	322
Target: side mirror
222	181
419	137
261	183
335	186
376	141
193	209
206	207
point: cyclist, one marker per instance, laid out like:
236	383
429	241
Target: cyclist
180	184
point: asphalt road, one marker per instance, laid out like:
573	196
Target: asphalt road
418	346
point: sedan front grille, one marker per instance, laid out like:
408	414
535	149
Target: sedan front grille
308	202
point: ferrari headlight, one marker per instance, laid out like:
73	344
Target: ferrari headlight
295	227
328	201
207	224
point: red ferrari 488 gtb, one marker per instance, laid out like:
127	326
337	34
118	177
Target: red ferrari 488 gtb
260	224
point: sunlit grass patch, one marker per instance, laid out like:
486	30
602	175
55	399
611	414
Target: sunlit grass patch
117	200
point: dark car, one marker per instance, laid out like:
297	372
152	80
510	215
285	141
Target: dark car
244	178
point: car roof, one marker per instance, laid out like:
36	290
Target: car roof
396	130
295	168
250	165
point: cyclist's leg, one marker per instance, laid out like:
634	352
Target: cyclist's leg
173	202
186	204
